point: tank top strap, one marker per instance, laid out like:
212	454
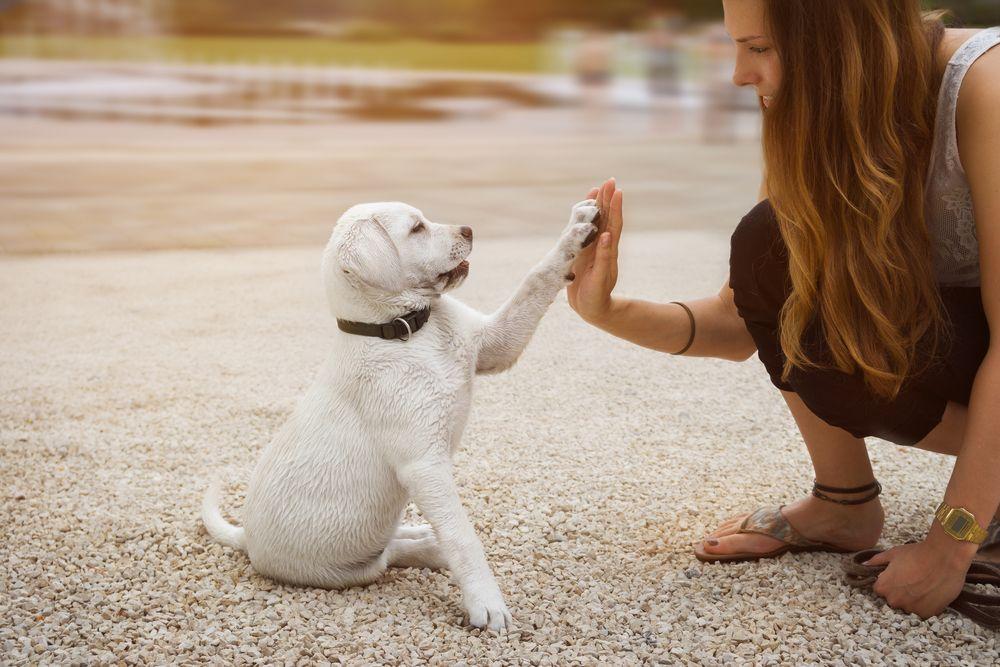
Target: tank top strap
951	84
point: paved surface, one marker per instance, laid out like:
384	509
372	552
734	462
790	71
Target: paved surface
128	380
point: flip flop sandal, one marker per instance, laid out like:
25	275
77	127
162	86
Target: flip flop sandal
992	535
980	608
771	522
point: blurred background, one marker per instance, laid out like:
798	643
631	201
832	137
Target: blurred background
156	124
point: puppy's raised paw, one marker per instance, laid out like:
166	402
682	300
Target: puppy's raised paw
578	235
585	211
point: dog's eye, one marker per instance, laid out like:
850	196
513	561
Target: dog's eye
419	227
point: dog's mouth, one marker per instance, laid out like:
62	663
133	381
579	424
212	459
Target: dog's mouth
459	272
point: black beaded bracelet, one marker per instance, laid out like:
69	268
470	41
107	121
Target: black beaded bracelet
691	338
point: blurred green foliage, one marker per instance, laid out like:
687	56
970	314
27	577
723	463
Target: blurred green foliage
969	12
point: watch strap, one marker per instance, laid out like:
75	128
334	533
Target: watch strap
960	524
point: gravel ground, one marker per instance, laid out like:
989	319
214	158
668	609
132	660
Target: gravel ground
130	380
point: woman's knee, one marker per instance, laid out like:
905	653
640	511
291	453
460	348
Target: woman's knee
843	400
831	399
946	437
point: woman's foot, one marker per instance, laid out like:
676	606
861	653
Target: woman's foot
852	527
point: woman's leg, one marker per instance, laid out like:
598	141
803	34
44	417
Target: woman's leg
946	437
840	460
929	414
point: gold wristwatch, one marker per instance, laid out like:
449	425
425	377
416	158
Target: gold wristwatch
960	523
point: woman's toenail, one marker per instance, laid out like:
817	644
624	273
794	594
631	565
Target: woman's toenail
712	543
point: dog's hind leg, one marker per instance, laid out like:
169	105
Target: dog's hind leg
346	577
420	552
405	532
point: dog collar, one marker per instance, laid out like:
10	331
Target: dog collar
401	327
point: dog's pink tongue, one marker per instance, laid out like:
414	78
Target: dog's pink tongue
464	264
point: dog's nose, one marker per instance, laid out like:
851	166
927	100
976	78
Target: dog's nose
466	232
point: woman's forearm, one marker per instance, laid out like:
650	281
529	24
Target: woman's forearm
975	481
719	331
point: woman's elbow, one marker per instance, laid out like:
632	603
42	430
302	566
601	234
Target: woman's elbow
743	348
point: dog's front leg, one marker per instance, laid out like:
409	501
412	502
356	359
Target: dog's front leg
432	487
506	333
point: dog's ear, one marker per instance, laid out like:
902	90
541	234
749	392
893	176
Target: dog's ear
368	254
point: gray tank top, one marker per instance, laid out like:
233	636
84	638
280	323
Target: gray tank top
948	206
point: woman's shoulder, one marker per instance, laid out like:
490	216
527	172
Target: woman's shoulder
984	73
952	40
979	95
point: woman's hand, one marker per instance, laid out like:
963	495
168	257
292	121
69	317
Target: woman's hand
922	578
596	268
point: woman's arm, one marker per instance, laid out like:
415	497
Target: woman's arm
665	327
719	330
975	482
923	578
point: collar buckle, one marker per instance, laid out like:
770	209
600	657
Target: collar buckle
398	333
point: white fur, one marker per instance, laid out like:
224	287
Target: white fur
380	424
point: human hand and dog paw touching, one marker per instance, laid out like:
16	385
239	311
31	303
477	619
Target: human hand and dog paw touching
579	233
387	263
595	269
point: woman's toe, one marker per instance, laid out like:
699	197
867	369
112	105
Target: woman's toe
740	543
723	544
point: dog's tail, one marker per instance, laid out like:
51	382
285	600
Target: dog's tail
223	531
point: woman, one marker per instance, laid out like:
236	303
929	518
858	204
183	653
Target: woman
867	280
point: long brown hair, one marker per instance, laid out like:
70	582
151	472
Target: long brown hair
847	141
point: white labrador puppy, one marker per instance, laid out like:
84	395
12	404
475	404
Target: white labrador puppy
380	424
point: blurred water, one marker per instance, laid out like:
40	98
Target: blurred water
212	94
218	94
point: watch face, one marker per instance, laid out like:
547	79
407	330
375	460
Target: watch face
960	523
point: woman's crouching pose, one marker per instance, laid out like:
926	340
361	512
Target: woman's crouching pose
867	279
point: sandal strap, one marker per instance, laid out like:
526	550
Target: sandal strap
983	572
992	534
981	608
771	522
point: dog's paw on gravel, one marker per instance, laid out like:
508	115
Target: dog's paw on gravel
490	614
